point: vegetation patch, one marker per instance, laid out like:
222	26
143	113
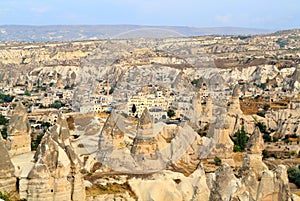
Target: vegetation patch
240	140
294	175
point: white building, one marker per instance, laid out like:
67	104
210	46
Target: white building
158	114
149	101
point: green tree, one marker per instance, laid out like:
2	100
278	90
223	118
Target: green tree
262	127
27	93
294	175
240	140
133	109
3	120
4	98
195	82
262	114
57	104
45	125
171	113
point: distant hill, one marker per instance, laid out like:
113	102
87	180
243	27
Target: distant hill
94	32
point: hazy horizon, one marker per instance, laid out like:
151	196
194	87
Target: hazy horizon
274	15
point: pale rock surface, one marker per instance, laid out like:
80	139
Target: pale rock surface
147	147
221	145
7	170
169	185
18	132
284	121
225	185
255	144
56	173
23	165
109	197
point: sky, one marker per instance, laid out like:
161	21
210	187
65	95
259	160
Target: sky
267	14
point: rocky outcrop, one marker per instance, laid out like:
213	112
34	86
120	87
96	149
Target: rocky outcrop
234	106
255	144
18	132
169	185
145	143
220	144
7	170
295	80
56	173
284	122
147	146
225	185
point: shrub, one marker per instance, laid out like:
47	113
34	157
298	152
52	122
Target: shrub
5	196
266	107
294	175
267	137
237	148
262	114
3	120
171	113
293	153
218	161
262	127
27	93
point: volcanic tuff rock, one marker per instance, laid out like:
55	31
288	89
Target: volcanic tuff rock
255	181
220	144
56	173
147	147
284	121
225	185
18	132
169	185
255	143
7	170
145	143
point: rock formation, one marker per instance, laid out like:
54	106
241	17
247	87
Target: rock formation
145	143
234	106
220	144
295	81
262	183
7	170
147	146
168	185
225	184
56	173
196	111
112	136
18	132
